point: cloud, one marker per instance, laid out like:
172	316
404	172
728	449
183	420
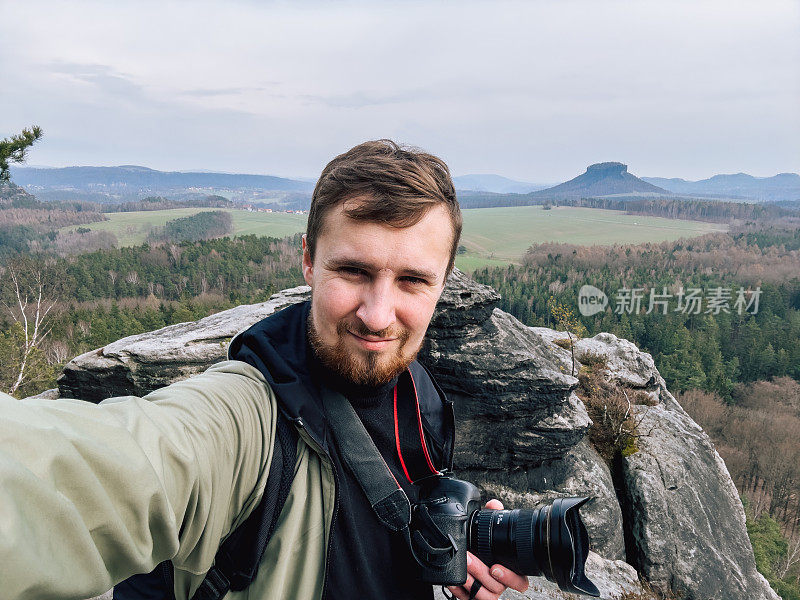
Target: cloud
531	90
104	78
365	98
229	91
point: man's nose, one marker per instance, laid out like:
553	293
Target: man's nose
377	306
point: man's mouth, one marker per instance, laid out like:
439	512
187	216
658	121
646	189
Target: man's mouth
372	343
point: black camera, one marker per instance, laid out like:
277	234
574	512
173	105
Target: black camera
448	520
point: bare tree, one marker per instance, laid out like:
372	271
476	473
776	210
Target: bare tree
57	352
791	559
29	296
175	252
181	284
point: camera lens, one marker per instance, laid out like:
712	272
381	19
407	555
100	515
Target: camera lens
551	541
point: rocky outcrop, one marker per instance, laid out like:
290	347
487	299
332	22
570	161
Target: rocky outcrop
686	521
670	509
139	364
520	424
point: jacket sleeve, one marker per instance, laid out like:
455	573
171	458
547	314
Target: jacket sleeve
91	494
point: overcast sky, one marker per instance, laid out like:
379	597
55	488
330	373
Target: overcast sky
531	90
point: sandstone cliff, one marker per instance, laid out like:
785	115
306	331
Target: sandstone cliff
669	512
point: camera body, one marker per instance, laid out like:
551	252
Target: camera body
450	503
448	520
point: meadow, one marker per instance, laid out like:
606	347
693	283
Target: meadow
131	228
492	236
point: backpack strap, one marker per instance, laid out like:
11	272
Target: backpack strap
158	584
237	560
437	411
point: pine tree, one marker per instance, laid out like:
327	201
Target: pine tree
14	149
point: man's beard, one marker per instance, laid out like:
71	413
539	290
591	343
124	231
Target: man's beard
361	367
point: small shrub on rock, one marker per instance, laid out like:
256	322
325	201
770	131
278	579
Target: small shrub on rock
612	410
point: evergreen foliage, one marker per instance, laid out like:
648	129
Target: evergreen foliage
202	226
770	548
14	149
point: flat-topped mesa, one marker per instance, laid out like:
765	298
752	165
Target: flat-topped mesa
607	168
601	179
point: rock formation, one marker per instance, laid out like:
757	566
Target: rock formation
601	179
139	364
670	510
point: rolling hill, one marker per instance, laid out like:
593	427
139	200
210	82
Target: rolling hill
784	186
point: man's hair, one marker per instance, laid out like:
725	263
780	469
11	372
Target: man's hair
395	185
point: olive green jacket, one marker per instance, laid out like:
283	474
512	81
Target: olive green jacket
91	494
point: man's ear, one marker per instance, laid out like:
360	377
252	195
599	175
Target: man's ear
308	266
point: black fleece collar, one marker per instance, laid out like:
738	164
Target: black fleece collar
278	347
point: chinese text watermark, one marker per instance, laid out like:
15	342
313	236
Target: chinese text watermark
690	301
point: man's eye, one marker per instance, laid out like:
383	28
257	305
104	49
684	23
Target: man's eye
351	271
414	280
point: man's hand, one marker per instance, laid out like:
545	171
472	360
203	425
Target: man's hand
493	581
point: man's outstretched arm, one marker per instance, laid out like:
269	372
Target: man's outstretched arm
90	494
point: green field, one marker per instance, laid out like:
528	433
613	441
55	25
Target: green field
131	228
502	235
492	236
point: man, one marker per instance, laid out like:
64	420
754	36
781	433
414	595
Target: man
90	495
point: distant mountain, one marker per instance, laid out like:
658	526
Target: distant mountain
495	184
601	179
133	179
784	186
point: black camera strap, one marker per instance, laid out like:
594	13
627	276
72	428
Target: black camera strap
387	498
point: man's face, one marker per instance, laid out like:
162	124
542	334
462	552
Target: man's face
374	289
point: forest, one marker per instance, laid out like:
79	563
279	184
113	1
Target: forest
23	217
161	203
98	297
28	224
202	226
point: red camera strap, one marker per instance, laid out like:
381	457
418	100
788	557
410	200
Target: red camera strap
412	450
